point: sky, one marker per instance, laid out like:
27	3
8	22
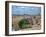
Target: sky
21	10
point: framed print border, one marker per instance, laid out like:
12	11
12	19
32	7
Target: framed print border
7	17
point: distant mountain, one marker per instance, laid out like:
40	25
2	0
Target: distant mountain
24	15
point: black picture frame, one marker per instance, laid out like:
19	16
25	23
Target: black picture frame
7	17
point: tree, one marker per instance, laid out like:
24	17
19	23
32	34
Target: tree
23	23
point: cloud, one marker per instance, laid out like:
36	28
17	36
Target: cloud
32	8
22	7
